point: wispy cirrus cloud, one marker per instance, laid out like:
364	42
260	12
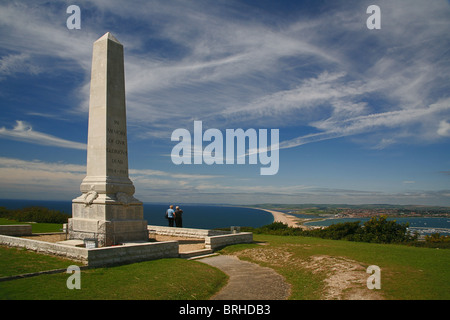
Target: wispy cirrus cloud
17	63
43	180
394	88
23	131
316	73
60	180
212	63
336	128
63	179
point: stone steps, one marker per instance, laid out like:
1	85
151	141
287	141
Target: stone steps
204	256
195	254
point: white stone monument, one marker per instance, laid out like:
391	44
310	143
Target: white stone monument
107	211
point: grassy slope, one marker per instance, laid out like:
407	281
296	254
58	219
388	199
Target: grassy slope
36	227
406	272
165	279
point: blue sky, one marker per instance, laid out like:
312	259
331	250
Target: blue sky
363	115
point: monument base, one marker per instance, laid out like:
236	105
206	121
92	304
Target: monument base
108	223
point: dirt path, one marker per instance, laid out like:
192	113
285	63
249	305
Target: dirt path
248	281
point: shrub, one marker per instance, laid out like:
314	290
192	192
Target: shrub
437	238
378	230
34	214
340	231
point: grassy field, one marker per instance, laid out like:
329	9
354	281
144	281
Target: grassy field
407	273
311	265
35	227
164	279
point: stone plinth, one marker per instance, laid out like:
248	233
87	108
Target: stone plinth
109	223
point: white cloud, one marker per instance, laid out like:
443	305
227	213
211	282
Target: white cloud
32	31
38	179
24	132
233	71
17	63
62	180
233	68
444	128
148	172
38	165
335	128
56	180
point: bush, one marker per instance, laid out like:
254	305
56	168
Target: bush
437	238
34	214
278	228
340	231
378	230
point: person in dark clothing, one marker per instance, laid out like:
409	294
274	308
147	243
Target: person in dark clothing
178	217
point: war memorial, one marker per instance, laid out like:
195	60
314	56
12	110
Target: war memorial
107	225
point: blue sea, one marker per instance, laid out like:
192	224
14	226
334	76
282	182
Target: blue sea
211	217
194	216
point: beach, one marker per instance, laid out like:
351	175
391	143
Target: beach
285	218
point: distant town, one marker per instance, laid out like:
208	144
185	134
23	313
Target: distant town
361	211
365	213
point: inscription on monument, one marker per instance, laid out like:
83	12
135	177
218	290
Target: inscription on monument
117	148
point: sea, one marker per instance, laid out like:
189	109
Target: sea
199	216
205	216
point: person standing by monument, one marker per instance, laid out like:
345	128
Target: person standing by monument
170	215
178	217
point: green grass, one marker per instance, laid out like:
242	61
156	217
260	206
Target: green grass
165	279
407	273
36	227
15	261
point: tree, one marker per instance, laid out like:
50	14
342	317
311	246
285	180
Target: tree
380	230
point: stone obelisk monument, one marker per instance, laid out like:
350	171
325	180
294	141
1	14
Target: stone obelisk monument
106	210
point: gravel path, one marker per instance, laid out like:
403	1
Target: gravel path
248	281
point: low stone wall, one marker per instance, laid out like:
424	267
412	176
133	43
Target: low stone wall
71	252
132	253
220	241
214	239
98	256
16	229
184	232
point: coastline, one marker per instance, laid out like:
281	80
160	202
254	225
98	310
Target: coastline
285	218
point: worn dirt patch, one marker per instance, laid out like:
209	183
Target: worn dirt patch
345	279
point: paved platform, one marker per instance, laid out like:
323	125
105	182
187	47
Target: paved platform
248	281
75	243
